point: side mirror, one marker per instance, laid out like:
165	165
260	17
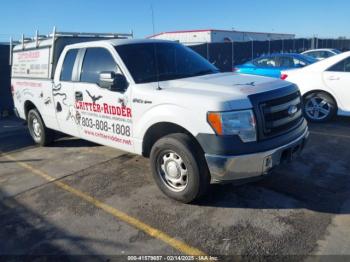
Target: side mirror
113	81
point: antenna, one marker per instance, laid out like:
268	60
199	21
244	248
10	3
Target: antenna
152	13
155	49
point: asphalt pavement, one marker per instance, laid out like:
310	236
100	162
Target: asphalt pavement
78	198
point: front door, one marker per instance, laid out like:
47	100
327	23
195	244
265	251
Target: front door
106	116
63	93
337	78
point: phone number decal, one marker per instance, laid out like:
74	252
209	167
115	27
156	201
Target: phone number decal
103	125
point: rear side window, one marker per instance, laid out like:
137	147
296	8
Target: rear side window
96	60
327	54
285	61
342	66
68	64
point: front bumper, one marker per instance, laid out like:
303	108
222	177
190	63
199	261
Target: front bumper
229	168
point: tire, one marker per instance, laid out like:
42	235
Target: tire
37	129
177	158
319	107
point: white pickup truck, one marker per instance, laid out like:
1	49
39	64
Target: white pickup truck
161	100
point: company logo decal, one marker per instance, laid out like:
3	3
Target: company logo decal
292	110
93	98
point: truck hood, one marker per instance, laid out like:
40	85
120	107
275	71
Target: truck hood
229	89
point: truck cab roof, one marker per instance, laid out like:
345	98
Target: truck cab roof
118	42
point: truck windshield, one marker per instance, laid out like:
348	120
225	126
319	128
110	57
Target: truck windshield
150	62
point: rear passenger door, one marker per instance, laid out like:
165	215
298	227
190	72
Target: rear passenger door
63	94
337	78
106	116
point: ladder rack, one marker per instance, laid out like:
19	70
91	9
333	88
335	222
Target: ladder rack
55	35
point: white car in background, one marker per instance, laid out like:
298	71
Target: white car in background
321	54
325	87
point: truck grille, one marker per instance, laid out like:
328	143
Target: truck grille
278	111
277	115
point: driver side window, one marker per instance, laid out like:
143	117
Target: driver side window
96	60
285	61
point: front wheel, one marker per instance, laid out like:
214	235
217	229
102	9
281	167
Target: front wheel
319	107
179	168
37	129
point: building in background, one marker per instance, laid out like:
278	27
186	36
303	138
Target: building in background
6	101
219	36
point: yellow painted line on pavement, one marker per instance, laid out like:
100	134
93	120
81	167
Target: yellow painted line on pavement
156	233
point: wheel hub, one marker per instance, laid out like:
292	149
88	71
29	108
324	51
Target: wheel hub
317	108
36	127
173	171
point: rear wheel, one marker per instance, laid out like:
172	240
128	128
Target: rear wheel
37	129
319	107
179	168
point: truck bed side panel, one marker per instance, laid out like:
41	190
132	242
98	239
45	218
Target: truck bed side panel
37	92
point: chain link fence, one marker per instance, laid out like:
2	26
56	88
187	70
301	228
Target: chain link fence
226	55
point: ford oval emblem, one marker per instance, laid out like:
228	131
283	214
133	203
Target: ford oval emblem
292	110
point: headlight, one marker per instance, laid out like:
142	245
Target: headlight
241	123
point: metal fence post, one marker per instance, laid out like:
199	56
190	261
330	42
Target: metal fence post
252	49
232	54
207	44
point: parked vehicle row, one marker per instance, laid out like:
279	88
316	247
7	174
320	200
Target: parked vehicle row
161	100
323	76
272	65
321	54
325	87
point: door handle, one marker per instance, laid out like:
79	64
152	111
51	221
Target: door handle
333	78
79	96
